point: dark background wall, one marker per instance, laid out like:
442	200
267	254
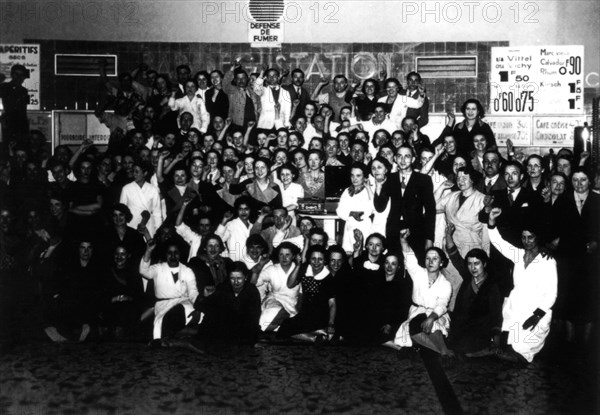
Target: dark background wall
321	59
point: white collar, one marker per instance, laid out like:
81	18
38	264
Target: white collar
321	275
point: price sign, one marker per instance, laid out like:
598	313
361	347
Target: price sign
27	55
537	80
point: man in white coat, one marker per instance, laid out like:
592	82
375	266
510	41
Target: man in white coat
276	104
174	285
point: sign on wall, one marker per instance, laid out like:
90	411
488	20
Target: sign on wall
265	29
72	127
27	55
555	131
517	129
537	80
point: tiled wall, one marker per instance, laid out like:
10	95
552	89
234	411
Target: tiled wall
315	59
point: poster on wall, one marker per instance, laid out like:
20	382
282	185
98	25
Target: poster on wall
72	127
555	131
537	80
27	55
265	25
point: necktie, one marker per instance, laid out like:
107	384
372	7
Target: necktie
403	184
580	205
298	91
511	198
488	185
175	276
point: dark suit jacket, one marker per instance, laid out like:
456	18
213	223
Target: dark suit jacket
304	98
416	208
528	206
576	230
500	184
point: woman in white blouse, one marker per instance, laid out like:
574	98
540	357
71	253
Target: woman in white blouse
428	319
192	103
356	207
290	190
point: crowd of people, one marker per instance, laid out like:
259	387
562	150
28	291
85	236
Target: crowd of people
193	222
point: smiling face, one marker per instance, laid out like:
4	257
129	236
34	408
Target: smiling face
173	256
450	144
197	168
404	158
180	177
471	111
336	260
317	262
213	248
340	84
286	176
391	89
120	257
480	142
261	170
458	163
464	182
392	264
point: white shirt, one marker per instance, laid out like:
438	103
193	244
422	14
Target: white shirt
272	283
234	235
196	107
192	238
139	199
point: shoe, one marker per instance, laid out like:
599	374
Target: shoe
54	335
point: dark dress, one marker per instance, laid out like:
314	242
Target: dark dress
229	317
123	297
477	316
314	310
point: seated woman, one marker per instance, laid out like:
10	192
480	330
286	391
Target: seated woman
278	301
123	295
232	313
209	267
315	321
477	315
428	319
527	311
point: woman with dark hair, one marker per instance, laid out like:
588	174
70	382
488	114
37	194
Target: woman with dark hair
209	267
356	206
313	180
316	320
577	223
397	105
120	234
428	320
365	103
380	168
262	190
143	200
123	295
472	125
536	179
217	101
291	191
232	313
527	311
380	137
477	315
278	300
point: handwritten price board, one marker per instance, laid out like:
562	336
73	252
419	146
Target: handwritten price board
27	55
537	80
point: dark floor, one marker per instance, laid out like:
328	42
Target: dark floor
121	378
